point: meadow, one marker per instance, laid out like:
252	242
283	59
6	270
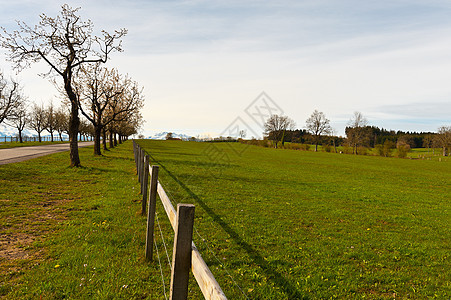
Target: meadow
271	224
285	224
74	232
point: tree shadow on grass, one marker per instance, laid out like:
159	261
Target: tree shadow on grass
258	259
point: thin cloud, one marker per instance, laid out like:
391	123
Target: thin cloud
378	57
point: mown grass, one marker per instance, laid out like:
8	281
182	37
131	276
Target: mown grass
75	232
285	224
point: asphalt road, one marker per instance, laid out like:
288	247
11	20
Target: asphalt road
18	154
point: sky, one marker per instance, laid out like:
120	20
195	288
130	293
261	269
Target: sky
212	67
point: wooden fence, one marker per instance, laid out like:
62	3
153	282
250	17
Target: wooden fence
185	255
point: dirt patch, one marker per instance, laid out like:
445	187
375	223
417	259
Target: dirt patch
26	228
15	246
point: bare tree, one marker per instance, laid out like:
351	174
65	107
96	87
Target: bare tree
50	119
443	139
317	125
86	130
333	138
357	131
123	106
427	141
129	126
19	119
10	98
64	43
106	97
37	119
276	127
61	122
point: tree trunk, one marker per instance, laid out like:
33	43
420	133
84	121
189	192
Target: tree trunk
74	120
39	137
104	139
111	140
97	133
74	123
316	147
115	139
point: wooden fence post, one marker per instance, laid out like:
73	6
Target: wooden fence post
151	211
145	184
134	152
181	258
142	171
137	159
139	163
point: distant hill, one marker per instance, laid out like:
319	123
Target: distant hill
162	136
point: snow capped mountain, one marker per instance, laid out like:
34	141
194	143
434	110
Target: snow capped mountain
8	131
11	131
162	136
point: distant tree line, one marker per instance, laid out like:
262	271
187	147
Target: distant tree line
359	136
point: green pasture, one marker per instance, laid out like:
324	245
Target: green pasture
286	224
270	224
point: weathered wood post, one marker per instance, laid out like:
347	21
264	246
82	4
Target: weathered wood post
151	212
181	258
137	158
136	155
139	163
143	154
145	184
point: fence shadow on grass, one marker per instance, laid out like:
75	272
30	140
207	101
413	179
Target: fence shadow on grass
270	272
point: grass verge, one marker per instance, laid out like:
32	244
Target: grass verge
8	145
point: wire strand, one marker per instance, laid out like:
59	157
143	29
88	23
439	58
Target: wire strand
161	270
164	242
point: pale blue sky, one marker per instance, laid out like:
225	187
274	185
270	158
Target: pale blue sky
203	62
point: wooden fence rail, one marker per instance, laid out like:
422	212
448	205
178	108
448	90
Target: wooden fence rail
185	253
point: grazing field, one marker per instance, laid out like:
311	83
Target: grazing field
285	224
271	224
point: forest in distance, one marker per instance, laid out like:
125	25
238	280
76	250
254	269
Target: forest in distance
360	136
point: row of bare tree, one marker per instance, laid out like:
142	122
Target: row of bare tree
76	58
358	133
55	120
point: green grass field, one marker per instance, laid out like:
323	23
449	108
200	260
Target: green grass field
271	224
287	224
74	233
